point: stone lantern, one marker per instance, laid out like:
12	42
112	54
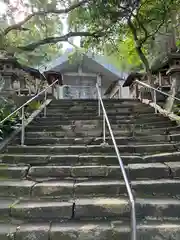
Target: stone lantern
174	75
8	65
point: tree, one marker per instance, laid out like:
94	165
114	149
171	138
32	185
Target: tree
19	27
123	55
99	23
117	20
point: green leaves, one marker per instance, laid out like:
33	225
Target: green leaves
38	27
6	108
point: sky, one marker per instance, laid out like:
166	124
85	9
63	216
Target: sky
66	45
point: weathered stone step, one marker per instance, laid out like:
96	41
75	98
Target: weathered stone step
93	149
90	141
93	101
67	134
47	122
134	171
68	189
75	171
12	171
143	132
87	159
68	160
15	188
73	127
159	187
69	115
138	119
150	207
90	127
54	140
129	132
175	137
42	210
99	230
151	125
123	112
109	109
73	117
89	208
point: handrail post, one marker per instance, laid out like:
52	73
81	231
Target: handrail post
133	221
99	107
45	98
104	129
22	126
155	101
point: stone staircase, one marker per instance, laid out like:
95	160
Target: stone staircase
64	184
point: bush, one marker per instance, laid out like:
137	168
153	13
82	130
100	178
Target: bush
6	108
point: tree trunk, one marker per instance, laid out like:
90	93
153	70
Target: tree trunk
146	65
140	52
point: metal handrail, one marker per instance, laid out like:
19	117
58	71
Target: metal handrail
154	93
118	90
129	191
155	89
22	108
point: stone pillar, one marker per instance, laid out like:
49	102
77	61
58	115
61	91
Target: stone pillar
174	74
22	83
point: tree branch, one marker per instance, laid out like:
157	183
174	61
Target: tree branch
63	38
18	26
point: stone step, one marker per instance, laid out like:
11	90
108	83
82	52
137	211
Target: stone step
123	112
92	141
126	119
134	171
120	208
55	172
42	210
89	208
129	132
73	126
87	159
112	117
141	188
93	101
99	230
72	117
67	134
79	126
13	171
92	149
15	188
94	109
162	124
47	121
143	132
94	208
115	107
114	230
84	187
